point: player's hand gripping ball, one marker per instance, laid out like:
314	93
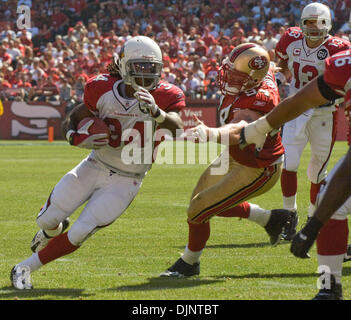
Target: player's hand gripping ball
92	133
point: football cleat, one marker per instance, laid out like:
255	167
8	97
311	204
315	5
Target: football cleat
20	278
41	239
290	230
334	293
279	221
182	269
347	256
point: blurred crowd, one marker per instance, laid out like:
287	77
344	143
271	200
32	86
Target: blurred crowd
71	40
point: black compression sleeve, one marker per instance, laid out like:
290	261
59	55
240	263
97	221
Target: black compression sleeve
325	90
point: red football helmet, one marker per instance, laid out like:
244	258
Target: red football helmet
243	69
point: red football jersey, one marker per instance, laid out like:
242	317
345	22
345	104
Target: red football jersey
338	72
262	100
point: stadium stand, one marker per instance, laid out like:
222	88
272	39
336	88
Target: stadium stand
70	41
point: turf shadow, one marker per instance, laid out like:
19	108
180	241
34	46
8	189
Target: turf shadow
267	275
10	292
163	283
241	245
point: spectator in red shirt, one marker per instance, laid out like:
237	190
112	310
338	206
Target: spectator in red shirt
211	71
200	47
207	37
226	45
58	20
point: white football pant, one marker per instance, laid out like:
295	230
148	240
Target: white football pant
107	194
318	130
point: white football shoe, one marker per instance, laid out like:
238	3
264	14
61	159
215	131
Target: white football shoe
20	277
41	239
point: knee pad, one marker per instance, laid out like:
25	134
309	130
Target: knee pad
50	216
292	162
316	172
80	231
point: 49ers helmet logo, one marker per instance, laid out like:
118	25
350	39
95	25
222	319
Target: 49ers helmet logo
258	63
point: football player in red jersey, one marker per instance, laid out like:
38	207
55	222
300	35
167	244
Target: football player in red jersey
302	52
247	82
130	98
329	222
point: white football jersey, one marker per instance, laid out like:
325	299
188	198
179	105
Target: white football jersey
131	146
306	63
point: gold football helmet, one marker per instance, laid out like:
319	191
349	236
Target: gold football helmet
243	69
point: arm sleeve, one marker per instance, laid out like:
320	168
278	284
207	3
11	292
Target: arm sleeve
326	91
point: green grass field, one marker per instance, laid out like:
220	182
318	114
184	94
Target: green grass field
123	261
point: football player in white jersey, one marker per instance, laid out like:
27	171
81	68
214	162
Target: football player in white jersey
131	96
302	52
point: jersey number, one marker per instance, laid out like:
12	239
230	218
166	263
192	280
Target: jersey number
310	71
116	132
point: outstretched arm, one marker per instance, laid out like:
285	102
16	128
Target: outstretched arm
306	98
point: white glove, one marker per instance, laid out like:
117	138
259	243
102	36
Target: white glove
201	133
147	103
83	139
256	133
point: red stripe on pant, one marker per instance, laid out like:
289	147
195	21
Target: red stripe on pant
333	139
332	238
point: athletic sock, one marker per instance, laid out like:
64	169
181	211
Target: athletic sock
240	211
191	257
259	215
32	262
314	190
332	246
288	183
198	236
56	248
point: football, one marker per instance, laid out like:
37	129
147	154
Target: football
99	126
247	115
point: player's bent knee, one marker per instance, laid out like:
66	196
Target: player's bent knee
193	208
50	217
80	232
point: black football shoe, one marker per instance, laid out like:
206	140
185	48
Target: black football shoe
182	269
279	221
347	256
334	293
290	230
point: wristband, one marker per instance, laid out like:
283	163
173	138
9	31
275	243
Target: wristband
160	116
69	136
242	139
263	126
